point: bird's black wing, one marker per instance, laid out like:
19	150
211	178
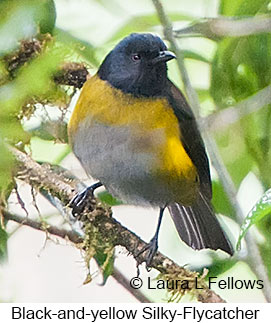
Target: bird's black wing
196	224
190	137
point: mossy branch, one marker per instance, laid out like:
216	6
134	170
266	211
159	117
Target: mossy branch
70	73
98	218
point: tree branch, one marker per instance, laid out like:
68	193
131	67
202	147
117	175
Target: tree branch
76	239
216	28
99	217
61	233
72	74
224	118
255	259
121	279
191	94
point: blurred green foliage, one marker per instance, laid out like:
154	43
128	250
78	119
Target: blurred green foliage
258	212
239	67
221	201
20	20
23	19
108	199
3	244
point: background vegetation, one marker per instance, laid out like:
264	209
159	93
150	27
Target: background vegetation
228	63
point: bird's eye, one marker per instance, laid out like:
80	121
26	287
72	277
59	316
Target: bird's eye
136	57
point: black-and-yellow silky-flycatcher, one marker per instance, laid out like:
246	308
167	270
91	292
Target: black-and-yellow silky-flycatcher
133	130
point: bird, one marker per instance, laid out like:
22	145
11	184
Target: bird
133	130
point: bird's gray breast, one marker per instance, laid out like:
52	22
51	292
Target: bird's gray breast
109	154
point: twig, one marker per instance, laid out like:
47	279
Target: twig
62	233
191	94
43	178
224	118
215	28
121	279
254	253
77	239
254	257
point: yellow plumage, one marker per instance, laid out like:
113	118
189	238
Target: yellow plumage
107	105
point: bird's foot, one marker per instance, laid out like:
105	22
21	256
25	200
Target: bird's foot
81	200
150	250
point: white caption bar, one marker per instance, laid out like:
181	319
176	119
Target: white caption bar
189	312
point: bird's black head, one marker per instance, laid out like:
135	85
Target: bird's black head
137	65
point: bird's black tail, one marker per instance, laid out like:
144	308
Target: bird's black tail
198	226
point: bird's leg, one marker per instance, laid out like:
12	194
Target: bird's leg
152	246
79	202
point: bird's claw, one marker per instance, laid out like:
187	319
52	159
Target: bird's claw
80	201
151	249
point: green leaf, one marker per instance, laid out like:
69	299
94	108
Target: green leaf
220	266
251	7
6	165
233	151
220	200
217	267
203	94
259	211
108	199
106	262
265	249
241	7
3	244
241	65
39	149
47	16
229	7
83	48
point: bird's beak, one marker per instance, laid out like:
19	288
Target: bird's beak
163	56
